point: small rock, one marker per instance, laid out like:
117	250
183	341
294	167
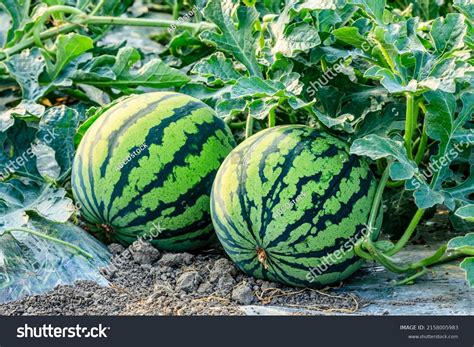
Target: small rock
222	267
189	281
204	288
243	294
226	283
116	248
144	253
175	259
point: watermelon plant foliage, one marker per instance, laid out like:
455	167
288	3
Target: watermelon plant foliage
394	79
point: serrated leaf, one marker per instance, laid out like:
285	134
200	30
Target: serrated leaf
217	69
26	68
442	125
403	36
317	5
466	7
18	11
46	162
16	155
50	203
67	48
448	33
462	244
260	108
231	107
377	147
257	87
57	129
236	40
426	197
392	82
374	8
297	37
126	58
24	109
350	36
154	74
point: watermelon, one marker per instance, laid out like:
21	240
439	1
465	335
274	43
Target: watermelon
145	169
289	203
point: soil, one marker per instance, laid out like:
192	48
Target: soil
145	281
154	283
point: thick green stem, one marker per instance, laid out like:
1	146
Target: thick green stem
97	8
176	9
430	260
144	22
44	17
237	125
53	239
361	253
410	124
271	119
395	184
31	40
249	126
101	20
412	278
423	141
378	200
408	233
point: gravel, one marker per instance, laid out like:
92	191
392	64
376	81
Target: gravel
144	281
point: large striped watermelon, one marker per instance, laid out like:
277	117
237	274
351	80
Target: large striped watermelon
148	164
289	203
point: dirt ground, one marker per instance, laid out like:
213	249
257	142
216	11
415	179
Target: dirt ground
155	283
145	281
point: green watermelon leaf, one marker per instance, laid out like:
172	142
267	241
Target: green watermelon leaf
350	36
466	212
57	129
468	266
16	156
231	107
463	244
374	8
466	7
20	201
444	126
217	69
238	41
377	147
154	74
67	47
448	33
26	68
46	162
257	87
295	38
18	11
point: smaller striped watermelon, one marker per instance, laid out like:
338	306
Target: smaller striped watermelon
146	167
289	203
